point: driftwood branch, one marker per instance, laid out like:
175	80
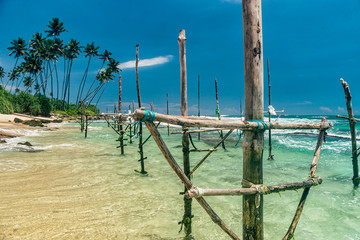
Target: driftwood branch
185	180
213	123
199	192
313	167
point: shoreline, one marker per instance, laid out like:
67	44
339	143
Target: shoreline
11	125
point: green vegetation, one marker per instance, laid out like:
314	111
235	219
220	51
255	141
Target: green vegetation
44	87
39	104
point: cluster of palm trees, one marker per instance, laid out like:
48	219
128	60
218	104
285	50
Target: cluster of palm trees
38	70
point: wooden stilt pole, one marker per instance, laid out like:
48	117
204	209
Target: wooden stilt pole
352	123
253	143
187	218
86	120
167	112
130	126
186	181
82	116
120	121
271	157
218	113
199	102
133	108
142	164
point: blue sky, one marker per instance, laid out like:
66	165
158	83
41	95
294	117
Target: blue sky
310	45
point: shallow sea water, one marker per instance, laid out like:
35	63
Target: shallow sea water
68	187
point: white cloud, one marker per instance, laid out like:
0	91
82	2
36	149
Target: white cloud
341	109
325	109
146	62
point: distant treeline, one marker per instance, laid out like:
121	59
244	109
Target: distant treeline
37	104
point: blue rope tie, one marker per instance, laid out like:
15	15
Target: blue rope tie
149	114
259	122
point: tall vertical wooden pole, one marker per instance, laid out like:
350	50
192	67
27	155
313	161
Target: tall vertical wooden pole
185	138
130	127
218	113
139	102
120	121
271	157
199	102
167	111
352	123
253	143
133	108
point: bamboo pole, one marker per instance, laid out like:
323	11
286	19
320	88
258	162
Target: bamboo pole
167	112
86	120
186	181
290	233
223	124
120	120
133	110
196	192
187	218
352	123
271	157
199	102
218	113
199	130
339	116
253	143
142	164
130	127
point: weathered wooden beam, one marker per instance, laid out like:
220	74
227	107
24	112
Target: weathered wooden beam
290	233
187	218
253	142
200	130
196	122
199	192
352	122
203	150
186	181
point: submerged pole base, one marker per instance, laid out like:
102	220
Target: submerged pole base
142	172
271	157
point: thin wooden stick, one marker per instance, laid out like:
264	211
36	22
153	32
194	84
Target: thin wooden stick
120	120
270	157
214	123
185	180
339	116
199	103
210	152
313	167
199	192
218	113
200	130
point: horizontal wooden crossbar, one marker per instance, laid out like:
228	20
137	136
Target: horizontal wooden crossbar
261	189
243	125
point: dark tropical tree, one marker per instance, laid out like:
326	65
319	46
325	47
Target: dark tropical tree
18	49
71	52
55	28
2	74
90	51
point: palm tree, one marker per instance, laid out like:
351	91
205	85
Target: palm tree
18	48
32	66
28	83
91	51
2	74
56	28
71	51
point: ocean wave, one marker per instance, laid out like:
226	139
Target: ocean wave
12	166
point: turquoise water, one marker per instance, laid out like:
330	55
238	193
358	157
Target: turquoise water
98	191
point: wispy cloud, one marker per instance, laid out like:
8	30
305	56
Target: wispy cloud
147	62
341	109
303	103
325	109
233	1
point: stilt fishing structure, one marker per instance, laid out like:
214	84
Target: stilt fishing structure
218	114
140	132
271	111
199	102
187	218
352	122
254	127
